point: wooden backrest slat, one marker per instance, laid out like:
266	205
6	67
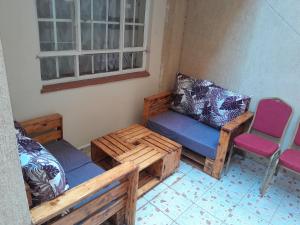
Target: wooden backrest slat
93	206
48	137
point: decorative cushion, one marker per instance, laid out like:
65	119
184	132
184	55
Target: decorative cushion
41	170
291	159
188	94
219	106
256	144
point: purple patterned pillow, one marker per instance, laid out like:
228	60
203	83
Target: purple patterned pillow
188	94
220	106
41	170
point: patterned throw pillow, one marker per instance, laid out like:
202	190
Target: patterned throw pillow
41	170
221	106
188	94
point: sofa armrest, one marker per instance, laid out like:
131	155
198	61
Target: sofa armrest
44	129
123	196
156	104
227	133
233	125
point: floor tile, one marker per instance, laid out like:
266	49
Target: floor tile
175	177
140	203
196	215
240	216
185	167
283	216
202	177
171	203
218	205
190	188
155	191
151	215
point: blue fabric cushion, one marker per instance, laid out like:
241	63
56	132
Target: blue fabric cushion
69	157
192	134
85	173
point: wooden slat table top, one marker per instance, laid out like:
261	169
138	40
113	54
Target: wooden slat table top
135	140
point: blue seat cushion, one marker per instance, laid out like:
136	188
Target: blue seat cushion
69	157
194	135
85	173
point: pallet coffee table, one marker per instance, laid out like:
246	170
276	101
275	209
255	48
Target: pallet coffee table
157	156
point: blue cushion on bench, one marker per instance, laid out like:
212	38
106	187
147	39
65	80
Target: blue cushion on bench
85	173
194	135
69	157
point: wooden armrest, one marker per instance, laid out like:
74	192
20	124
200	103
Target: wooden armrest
44	129
70	198
237	122
156	104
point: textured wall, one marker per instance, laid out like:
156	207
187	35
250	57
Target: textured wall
173	35
13	204
250	46
89	111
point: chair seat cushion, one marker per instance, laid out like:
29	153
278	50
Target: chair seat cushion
291	159
69	157
196	136
256	144
85	173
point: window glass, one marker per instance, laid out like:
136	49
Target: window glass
139	36
113	36
100	63
129	11
46	32
44	8
85	64
66	66
48	68
99	10
64	9
65	36
85	10
137	60
99	36
114	10
140	11
113	62
86	41
128	36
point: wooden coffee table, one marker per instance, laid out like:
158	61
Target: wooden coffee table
157	156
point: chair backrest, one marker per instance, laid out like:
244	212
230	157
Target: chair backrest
296	140
272	117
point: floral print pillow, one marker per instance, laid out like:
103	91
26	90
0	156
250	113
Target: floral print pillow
41	170
220	106
188	94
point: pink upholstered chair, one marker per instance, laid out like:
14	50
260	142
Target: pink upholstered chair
265	133
290	158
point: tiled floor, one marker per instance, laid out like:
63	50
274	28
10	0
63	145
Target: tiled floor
190	197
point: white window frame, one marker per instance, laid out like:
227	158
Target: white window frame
76	53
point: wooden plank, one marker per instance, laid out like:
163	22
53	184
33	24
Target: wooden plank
70	198
193	156
130	210
93	206
148	186
117	142
237	122
135	134
127	144
163	142
146	163
48	137
129	130
138	136
43	126
147	157
177	145
111	146
29	125
105	214
104	148
132	152
157	144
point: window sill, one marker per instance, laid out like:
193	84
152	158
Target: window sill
94	81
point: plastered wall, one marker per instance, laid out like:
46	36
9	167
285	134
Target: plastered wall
249	46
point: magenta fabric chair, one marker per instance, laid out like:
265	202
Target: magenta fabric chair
265	133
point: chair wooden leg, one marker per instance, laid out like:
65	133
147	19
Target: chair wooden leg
229	159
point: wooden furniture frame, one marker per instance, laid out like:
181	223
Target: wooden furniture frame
119	203
157	156
160	103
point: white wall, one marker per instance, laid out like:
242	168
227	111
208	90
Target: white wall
250	46
13	205
88	112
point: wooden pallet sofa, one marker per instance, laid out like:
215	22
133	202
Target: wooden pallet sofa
204	144
95	195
